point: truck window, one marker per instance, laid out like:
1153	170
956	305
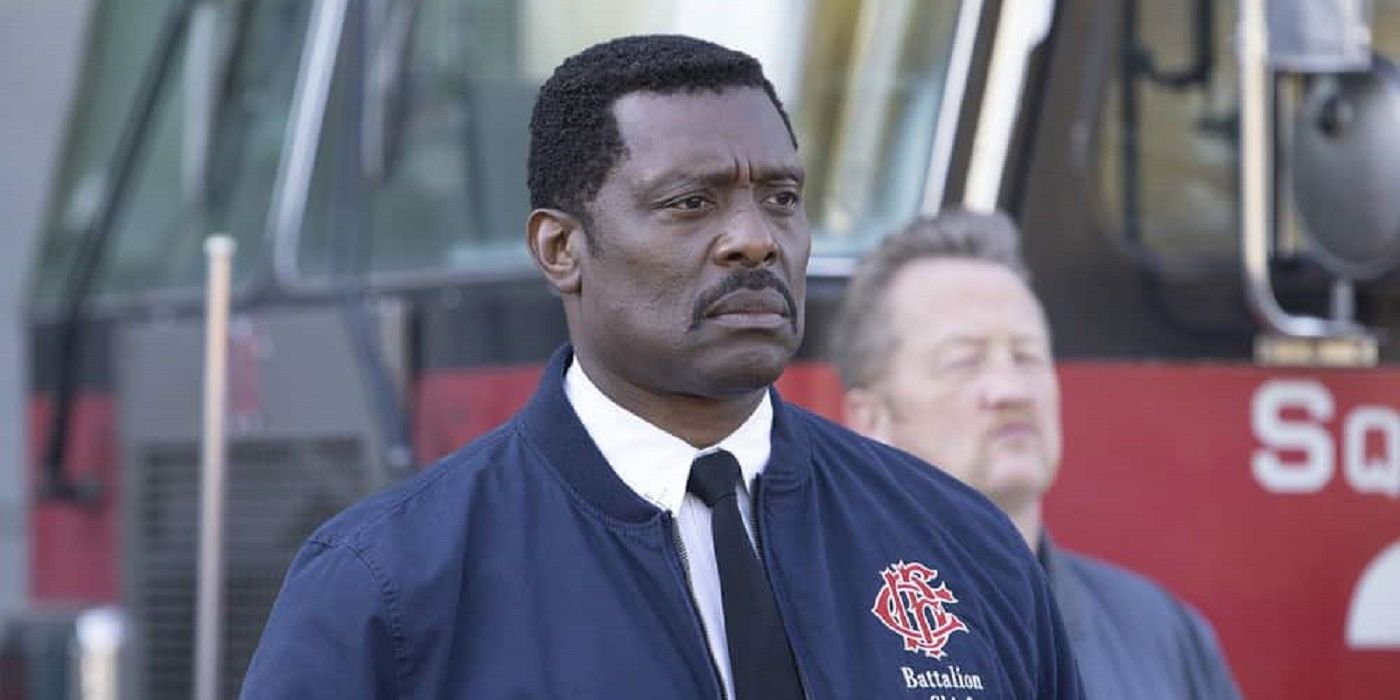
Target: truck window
1169	148
156	244
862	81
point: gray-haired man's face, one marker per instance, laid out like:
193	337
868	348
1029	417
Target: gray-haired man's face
971	384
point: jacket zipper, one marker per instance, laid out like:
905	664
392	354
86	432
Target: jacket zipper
695	606
763	561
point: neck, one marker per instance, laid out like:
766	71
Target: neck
1027	519
699	421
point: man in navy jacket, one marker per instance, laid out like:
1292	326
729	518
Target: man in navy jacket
945	352
569	553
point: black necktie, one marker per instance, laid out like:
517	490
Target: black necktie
759	655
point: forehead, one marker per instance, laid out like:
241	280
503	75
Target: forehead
942	298
663	132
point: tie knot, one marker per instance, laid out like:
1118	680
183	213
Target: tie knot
713	477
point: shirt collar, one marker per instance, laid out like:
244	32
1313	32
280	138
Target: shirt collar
651	461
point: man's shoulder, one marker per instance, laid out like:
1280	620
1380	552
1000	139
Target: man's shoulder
1129	619
420	501
862	452
918	490
1127	592
866	458
1113	579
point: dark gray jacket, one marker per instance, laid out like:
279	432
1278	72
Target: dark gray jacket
1133	639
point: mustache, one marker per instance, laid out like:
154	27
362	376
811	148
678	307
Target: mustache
1018	418
754	279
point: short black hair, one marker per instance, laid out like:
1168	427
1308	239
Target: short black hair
574	137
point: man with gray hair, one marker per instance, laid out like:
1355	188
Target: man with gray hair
945	352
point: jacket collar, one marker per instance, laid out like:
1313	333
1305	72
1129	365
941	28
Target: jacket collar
1064	586
551	424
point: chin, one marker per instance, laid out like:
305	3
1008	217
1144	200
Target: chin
739	370
1024	478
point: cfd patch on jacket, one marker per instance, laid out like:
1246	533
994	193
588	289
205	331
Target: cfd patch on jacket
916	607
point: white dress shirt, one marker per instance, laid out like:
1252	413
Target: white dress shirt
656	465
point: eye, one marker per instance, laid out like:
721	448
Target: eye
960	361
1031	357
690	203
785	199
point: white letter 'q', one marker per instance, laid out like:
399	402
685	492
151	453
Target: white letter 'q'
1381	474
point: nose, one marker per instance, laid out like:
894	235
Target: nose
1005	385
747	240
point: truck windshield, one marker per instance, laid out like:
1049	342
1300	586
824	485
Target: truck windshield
862	79
159	227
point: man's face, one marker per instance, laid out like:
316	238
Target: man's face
697	280
970	385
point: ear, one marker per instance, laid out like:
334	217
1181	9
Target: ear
867	414
557	244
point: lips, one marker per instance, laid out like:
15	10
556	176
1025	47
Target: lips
749	302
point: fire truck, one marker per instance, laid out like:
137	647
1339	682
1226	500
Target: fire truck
1209	192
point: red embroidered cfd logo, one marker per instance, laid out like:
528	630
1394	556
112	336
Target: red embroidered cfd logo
912	608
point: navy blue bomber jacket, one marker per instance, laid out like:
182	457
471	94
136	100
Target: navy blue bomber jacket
522	567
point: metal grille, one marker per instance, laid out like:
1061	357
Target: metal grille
278	492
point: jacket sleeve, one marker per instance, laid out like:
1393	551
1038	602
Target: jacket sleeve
330	634
1059	672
